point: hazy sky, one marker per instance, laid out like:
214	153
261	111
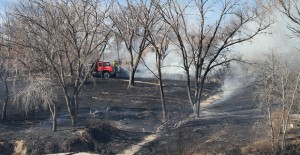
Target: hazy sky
278	36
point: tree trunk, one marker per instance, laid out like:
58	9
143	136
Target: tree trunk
283	142
131	77
52	108
70	108
162	94
197	109
284	128
134	64
272	130
75	114
54	116
3	116
188	85
73	111
163	104
198	100
194	108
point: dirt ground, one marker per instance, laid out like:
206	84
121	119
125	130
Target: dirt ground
113	118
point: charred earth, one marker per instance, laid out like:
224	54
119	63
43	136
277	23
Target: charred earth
113	118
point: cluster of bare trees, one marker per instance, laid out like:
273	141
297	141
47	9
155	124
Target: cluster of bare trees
56	40
279	95
278	81
203	38
206	45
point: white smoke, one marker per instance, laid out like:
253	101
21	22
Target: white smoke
278	37
239	77
147	64
171	67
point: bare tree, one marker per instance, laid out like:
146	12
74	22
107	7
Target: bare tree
132	23
278	89
4	74
39	92
290	82
218	25
58	40
159	39
291	10
7	70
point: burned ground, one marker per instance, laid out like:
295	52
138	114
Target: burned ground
112	118
223	128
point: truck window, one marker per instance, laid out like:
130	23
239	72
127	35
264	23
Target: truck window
106	64
100	64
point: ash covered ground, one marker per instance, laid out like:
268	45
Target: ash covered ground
113	118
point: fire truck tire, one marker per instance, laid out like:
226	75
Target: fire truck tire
106	75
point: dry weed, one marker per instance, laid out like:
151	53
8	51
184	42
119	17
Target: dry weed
20	148
258	147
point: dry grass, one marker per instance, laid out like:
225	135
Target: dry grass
20	148
293	143
258	147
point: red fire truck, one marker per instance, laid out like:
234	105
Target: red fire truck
105	69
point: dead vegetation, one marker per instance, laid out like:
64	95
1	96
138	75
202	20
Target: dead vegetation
57	40
223	130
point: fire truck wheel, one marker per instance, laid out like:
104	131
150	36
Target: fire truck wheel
106	75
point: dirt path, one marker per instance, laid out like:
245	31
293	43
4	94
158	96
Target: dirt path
211	100
73	153
131	150
151	83
136	147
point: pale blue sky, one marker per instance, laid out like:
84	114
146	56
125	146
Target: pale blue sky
4	4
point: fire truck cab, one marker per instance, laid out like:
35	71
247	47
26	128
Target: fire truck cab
104	69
